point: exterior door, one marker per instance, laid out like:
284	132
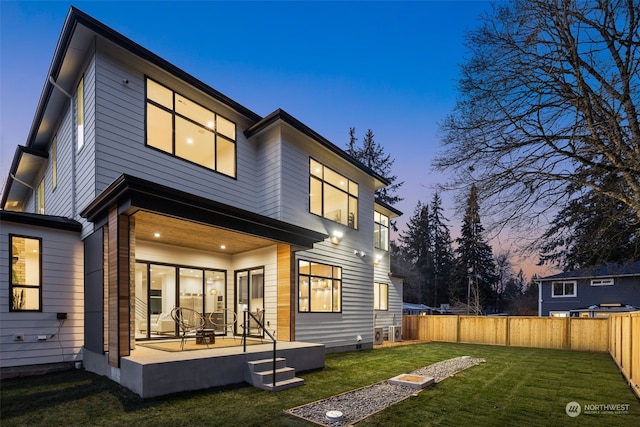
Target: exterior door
250	298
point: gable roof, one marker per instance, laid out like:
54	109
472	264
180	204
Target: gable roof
611	269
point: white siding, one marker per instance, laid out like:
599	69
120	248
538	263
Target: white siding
85	158
62	292
120	140
59	202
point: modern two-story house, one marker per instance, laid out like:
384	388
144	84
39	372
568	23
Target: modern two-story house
141	188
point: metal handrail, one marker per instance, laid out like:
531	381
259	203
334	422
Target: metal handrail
245	325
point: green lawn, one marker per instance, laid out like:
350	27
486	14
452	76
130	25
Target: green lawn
515	387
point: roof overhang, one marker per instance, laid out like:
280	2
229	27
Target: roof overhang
76	40
387	209
23	174
48	221
281	116
131	194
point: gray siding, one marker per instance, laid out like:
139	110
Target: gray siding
626	290
62	292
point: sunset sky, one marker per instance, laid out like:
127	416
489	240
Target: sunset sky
388	66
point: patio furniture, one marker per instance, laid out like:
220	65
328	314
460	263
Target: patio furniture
225	319
188	320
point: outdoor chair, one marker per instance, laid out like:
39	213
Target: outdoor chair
188	320
226	319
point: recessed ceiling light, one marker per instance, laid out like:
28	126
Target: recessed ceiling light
156	235
223	247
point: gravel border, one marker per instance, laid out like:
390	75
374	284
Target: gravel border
358	404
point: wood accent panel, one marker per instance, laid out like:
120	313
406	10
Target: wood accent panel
177	232
286	295
119	282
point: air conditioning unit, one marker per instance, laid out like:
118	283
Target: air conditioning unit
378	336
395	333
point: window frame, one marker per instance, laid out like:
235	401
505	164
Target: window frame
379	226
219	137
309	289
352	193
609	281
13	286
377	294
564	294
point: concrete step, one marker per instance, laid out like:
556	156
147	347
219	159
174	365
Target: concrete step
283	385
265	377
266	364
259	373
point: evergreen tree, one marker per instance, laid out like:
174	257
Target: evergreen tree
372	155
475	270
591	230
441	252
417	243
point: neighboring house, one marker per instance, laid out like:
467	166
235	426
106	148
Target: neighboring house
591	291
141	188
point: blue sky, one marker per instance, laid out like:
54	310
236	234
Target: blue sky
388	66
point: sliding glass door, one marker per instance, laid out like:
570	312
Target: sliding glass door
161	287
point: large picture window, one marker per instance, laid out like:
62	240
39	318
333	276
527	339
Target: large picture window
320	287
25	286
380	296
381	231
563	289
185	129
332	195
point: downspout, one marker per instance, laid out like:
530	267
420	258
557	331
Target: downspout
539	299
73	145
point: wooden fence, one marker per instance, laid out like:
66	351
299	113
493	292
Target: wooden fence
624	346
619	334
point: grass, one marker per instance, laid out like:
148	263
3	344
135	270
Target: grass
515	387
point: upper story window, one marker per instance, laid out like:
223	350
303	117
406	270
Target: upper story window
602	282
380	296
564	289
332	196
320	287
185	129
80	113
40	198
381	231
26	274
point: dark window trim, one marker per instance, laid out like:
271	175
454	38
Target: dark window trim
309	285
174	113
349	195
380	226
11	284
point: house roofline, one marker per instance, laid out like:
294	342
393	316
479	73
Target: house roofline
77	17
607	270
281	115
48	221
388	207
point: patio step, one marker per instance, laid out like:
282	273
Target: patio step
260	374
